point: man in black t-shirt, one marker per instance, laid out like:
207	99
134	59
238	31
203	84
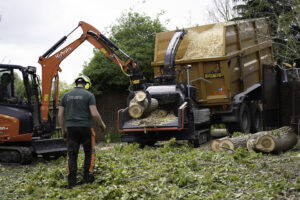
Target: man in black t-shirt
77	108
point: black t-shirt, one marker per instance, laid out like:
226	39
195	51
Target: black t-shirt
76	105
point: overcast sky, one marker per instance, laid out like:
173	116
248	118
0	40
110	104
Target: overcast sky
28	28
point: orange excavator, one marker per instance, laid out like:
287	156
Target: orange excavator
26	125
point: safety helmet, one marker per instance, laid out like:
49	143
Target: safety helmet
84	79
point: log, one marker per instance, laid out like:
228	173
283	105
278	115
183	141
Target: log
265	143
215	144
250	145
137	108
153	106
139	105
276	141
140	96
218	133
230	144
226	145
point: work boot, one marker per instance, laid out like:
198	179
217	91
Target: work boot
71	181
88	177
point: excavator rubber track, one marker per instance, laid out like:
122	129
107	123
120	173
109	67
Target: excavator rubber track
15	155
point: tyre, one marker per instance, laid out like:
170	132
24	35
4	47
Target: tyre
244	120
256	118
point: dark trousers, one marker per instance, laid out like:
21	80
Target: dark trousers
77	136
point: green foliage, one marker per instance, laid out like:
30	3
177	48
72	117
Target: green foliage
64	87
112	136
19	86
275	133
134	34
238	134
284	20
167	172
218	126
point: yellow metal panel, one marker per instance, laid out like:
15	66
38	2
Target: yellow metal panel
229	55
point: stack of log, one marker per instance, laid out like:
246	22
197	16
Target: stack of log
274	141
140	105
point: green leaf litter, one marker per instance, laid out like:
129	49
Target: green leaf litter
170	171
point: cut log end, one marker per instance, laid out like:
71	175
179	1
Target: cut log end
140	96
265	143
162	113
215	145
136	111
226	145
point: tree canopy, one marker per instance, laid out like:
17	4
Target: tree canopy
134	33
284	20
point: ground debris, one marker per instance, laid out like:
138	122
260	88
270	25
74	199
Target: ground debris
155	119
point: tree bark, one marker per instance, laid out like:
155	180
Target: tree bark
274	141
230	144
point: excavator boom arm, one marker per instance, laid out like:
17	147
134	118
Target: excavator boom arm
50	63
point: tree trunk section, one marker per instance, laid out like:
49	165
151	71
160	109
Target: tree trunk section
139	105
274	141
140	96
136	108
279	140
215	144
250	145
153	106
218	133
230	144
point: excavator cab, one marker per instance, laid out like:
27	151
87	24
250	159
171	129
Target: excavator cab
19	96
21	130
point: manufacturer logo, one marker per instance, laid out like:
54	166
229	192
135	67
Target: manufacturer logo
62	53
213	75
3	128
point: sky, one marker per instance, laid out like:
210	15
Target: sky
28	28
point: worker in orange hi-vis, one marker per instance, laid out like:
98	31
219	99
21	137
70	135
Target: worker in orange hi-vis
77	108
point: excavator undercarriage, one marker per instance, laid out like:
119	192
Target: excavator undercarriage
15	154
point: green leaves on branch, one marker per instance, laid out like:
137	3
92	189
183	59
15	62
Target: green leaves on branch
134	33
284	20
